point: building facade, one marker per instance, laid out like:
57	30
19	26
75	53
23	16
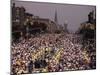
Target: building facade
23	22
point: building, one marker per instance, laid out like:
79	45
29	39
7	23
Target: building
24	23
88	29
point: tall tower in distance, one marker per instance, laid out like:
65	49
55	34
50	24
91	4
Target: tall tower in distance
65	26
56	19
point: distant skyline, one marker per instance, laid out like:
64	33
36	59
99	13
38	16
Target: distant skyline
72	14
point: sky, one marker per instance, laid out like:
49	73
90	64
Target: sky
71	14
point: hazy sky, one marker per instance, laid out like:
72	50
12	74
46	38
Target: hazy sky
73	14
